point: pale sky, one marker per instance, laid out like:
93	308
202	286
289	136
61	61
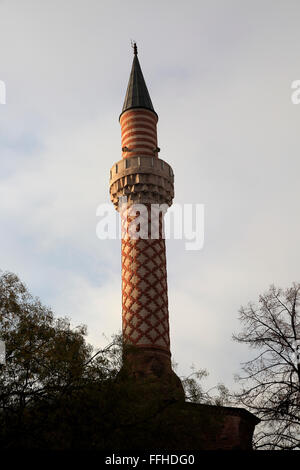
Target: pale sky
219	74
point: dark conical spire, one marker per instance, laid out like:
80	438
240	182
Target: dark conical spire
137	95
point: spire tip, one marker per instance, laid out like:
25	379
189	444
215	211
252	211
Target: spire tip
134	47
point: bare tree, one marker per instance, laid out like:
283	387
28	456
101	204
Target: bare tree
271	381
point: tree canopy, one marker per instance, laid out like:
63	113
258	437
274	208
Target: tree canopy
271	380
58	392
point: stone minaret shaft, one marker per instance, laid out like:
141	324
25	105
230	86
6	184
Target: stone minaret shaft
142	178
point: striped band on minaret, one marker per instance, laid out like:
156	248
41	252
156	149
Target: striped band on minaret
139	134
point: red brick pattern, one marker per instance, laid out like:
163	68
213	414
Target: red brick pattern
145	318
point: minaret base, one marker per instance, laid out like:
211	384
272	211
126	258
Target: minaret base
151	367
183	426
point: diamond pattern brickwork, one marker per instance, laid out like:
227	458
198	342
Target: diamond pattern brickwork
145	318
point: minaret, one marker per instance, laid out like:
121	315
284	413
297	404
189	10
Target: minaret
143	178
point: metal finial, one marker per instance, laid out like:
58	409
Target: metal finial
134	47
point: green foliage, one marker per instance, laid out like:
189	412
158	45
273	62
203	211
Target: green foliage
48	364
